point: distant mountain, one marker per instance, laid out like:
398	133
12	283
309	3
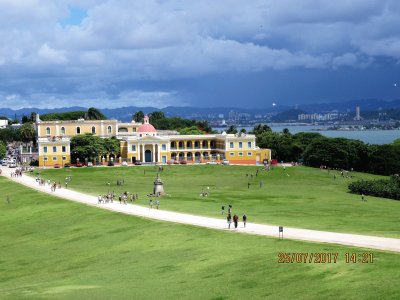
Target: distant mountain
125	113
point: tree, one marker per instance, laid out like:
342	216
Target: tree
232	129
138	116
8	135
94	114
190	130
26	133
112	146
156	117
285	131
24	119
3	149
204	126
258	129
87	146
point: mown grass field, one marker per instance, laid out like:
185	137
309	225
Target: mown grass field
55	249
298	197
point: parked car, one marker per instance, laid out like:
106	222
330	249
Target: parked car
79	165
176	162
67	165
138	163
183	162
4	163
110	163
57	166
225	162
90	164
12	164
124	163
212	162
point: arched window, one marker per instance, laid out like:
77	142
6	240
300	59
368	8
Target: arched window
62	130
78	130
109	129
48	130
93	130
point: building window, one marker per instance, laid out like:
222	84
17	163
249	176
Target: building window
248	144
48	130
163	147
240	153
231	145
249	154
64	158
133	148
64	149
45	158
93	130
54	158
45	149
232	154
54	149
78	130
240	145
62	130
109	129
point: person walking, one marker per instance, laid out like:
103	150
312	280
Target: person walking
235	221
151	203
229	209
222	209
363	198
157	203
229	220
244	218
248	185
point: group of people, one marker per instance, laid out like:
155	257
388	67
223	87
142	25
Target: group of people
122	198
235	218
17	173
157	203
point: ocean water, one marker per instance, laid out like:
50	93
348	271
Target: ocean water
367	136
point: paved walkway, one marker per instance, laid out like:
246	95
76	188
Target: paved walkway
364	241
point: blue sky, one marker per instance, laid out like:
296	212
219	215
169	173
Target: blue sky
114	53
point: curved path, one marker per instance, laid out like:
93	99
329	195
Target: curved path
364	241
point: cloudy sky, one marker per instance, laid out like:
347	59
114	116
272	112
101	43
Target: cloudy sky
113	53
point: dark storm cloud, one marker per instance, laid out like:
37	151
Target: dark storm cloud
160	52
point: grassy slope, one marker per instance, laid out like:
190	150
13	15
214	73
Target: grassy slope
52	248
307	198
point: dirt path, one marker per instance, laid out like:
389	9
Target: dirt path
364	241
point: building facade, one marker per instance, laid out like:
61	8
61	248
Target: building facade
143	143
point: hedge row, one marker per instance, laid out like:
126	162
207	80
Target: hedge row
385	188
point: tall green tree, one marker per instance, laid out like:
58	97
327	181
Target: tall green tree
259	128
232	129
94	114
138	116
3	149
26	133
86	146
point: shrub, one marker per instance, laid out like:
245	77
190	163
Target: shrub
385	188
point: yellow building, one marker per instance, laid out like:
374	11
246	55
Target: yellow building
142	142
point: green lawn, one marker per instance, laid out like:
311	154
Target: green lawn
56	249
300	197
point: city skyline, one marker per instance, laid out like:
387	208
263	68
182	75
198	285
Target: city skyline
112	54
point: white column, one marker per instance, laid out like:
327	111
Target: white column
57	130
154	153
102	128
143	157
158	153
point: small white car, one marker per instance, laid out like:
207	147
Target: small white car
124	163
12	164
225	162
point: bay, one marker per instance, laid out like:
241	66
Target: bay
367	136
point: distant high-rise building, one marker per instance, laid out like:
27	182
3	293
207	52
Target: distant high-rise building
358	115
